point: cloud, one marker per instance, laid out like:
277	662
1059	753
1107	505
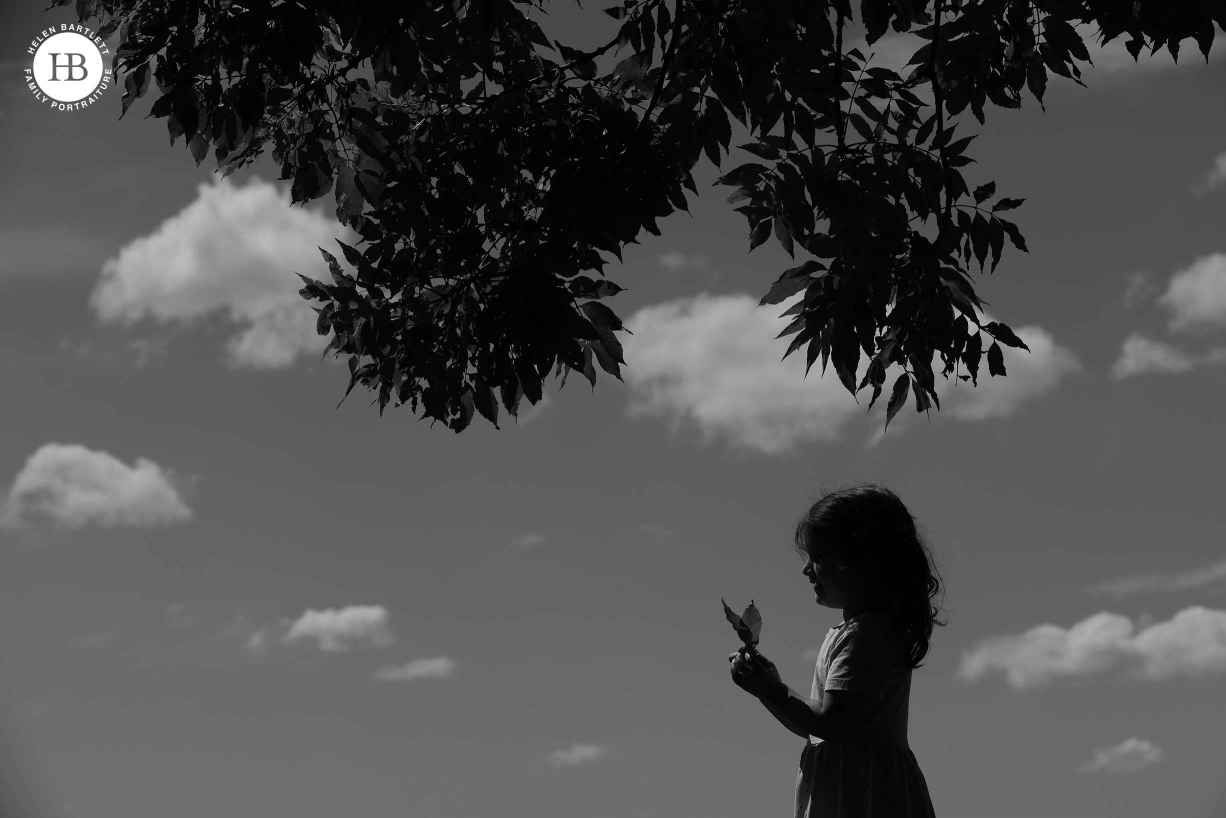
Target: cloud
675	261
715	361
1129	756
1163	583
1140	355
72	487
1214	177
659	532
438	668
577	754
1196	295
1029	375
232	251
339	630
529	540
1141	287
1191	644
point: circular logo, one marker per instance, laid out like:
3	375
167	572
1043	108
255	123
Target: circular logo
68	70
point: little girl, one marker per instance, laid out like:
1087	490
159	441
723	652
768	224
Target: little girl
863	555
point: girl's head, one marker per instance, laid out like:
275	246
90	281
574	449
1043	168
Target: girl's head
862	552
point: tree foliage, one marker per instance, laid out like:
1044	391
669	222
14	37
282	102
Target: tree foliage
483	211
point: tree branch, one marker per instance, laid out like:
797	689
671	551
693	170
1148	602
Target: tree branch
668	58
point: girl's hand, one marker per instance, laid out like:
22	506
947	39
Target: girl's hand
754	673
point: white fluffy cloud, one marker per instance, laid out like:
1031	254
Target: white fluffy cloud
1029	374
72	486
1129	756
1196	295
576	754
1140	355
232	251
1192	643
715	360
339	630
440	667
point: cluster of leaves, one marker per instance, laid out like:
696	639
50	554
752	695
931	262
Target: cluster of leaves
483	208
748	625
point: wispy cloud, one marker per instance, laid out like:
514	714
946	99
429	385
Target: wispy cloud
1190	644
1141	287
338	630
529	540
1214	177
676	260
577	754
714	360
1160	583
439	667
659	532
1141	355
1129	756
233	252
72	486
1196	295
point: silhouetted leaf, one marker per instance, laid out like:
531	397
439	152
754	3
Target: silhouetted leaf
1006	204
748	626
897	397
1005	335
996	360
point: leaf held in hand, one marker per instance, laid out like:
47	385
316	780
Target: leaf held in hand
748	626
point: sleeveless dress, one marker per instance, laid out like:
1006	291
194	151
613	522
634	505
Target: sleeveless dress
874	774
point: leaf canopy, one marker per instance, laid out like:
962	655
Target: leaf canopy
486	169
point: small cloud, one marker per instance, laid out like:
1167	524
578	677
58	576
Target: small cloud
338	630
257	642
1129	756
145	350
658	531
1196	295
577	754
675	261
1141	287
1157	583
73	487
529	540
1141	355
232	252
1214	177
1190	644
438	668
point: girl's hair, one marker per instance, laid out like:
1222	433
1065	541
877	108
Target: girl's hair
874	530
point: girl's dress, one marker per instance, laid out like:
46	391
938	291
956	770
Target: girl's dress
874	774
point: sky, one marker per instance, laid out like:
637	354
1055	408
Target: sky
222	594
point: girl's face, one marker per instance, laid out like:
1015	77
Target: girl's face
835	585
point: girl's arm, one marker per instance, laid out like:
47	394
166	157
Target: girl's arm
838	715
782	704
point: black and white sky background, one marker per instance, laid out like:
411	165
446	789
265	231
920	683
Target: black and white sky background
248	604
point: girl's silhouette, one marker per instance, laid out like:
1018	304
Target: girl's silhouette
864	555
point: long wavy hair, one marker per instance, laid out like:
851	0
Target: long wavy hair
872	527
